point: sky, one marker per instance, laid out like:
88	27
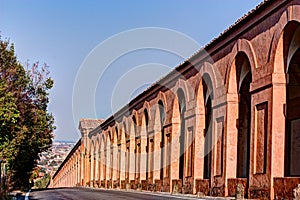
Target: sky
68	34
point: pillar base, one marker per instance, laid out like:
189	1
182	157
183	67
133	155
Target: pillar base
144	184
259	193
188	185
123	185
159	185
232	184
283	187
177	186
202	186
166	185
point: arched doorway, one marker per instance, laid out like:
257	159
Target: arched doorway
293	116
110	158
161	121
118	161
243	80
182	109
146	123
208	97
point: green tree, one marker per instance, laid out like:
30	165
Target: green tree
42	182
26	126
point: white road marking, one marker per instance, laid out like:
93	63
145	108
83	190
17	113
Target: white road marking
27	195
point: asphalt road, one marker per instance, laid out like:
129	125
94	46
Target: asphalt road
93	194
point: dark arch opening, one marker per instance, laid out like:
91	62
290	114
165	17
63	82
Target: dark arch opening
134	125
127	158
117	133
125	132
110	156
292	164
109	136
137	151
244	79
208	96
162	120
147	147
182	109
146	119
119	154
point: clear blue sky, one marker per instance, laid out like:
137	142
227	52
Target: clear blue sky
62	33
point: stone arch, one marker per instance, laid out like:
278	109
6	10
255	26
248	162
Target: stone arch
125	132
239	108
208	71
157	121
161	97
209	85
175	119
110	134
116	133
146	107
159	102
238	72
134	125
244	46
145	121
288	44
287	63
188	90
277	50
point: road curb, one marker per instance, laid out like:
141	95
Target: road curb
163	194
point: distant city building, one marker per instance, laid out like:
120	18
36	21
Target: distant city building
54	157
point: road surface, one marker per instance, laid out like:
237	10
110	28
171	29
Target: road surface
96	194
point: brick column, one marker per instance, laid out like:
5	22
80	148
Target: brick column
143	161
114	149
278	128
231	139
123	159
175	151
108	161
157	153
96	170
92	161
132	158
